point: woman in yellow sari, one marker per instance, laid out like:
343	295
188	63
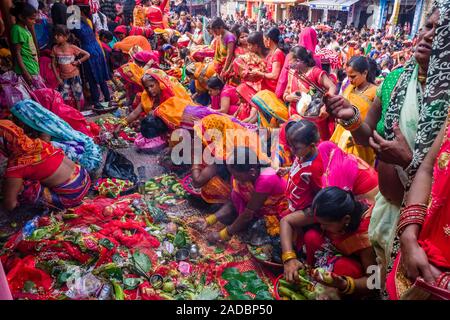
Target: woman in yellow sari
361	92
223	47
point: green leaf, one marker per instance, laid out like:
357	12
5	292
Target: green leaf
131	283
63	277
142	262
106	243
263	295
29	286
117	258
248	276
235	285
180	240
230	273
208	293
219	250
257	285
239	297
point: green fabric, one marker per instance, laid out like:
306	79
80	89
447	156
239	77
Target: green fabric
384	93
369	47
22	36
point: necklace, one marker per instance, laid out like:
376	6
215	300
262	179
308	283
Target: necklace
362	91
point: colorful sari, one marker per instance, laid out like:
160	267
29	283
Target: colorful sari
216	191
268	182
246	63
53	101
203	72
131	74
170	87
22	152
76	145
343	138
435	232
129	42
271	111
221	50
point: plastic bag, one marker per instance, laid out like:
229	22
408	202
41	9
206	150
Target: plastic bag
119	167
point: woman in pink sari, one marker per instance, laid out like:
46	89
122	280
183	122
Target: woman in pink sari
308	40
53	101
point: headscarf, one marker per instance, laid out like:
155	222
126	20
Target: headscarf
433	108
308	40
146	56
121	29
53	101
76	145
21	150
170	87
341	169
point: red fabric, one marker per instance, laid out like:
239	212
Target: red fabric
53	101
277	56
45	69
366	180
305	180
39	171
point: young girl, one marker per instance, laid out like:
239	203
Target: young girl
26	58
65	65
256	191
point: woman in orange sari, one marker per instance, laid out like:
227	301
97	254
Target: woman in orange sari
424	227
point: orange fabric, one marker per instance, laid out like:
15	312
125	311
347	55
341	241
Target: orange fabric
216	191
129	42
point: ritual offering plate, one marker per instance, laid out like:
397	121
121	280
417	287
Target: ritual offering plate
189	188
166	190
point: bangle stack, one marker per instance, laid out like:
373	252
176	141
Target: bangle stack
211	219
123	122
350	288
224	235
412	214
443	280
354	123
288	255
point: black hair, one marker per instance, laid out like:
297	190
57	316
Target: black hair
303	131
304	55
218	23
362	64
333	203
86	10
106	34
60	30
243	159
215	83
238	30
257	38
22	9
274	34
41	5
152	127
148	77
235	29
184	53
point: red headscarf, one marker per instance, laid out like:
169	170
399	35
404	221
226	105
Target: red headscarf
308	40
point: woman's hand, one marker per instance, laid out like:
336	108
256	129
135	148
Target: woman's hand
291	268
330	280
292	97
339	107
323	113
213	237
396	151
415	262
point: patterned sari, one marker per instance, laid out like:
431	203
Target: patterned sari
243	65
343	138
271	111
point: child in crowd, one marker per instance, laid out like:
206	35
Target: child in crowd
66	64
106	38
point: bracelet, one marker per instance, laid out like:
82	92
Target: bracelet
288	255
211	219
224	235
354	123
443	280
350	288
411	214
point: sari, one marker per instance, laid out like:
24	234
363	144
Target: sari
203	72
269	183
343	138
24	152
227	91
131	74
76	145
435	231
221	50
216	191
53	101
346	171
325	126
243	65
139	16
129	42
271	111
276	56
170	87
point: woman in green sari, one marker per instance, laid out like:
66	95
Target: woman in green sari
401	125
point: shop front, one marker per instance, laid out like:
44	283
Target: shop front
329	11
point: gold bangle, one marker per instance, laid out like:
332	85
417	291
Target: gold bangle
288	255
211	219
350	288
224	234
123	122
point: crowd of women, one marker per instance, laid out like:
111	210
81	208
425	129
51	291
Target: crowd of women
356	168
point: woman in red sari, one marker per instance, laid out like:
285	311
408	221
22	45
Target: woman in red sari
241	35
424	225
342	247
274	60
303	62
